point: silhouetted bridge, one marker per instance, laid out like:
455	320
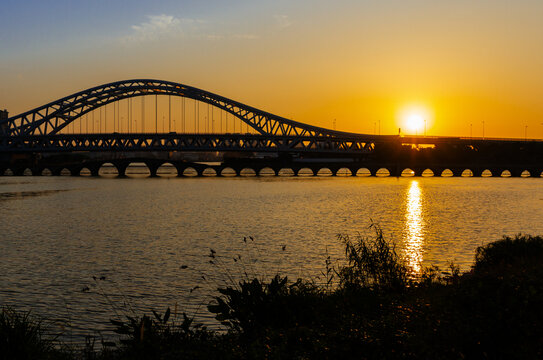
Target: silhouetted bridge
103	125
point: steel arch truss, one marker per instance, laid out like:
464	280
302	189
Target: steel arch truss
49	119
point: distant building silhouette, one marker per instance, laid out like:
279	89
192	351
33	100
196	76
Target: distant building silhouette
3	116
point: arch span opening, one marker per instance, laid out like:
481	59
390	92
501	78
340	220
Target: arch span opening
344	172
190	172
85	172
228	172
267	171
167	170
107	170
209	172
305	172
137	170
286	172
46	172
363	172
447	173
408	173
382	172
247	172
428	173
486	173
324	172
467	173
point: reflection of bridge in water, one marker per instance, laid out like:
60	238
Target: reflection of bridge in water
206	134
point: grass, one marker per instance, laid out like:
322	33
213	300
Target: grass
372	307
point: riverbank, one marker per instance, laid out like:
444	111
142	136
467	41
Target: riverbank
372	307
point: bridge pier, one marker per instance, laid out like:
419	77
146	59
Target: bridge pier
180	170
395	171
75	171
152	168
121	168
95	170
55	171
495	172
515	172
457	172
35	171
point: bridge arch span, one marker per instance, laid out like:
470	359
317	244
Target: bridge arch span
344	171
51	118
286	172
429	172
364	172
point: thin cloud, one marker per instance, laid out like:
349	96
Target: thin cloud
282	21
245	36
160	26
167	26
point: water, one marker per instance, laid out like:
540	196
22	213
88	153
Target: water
139	234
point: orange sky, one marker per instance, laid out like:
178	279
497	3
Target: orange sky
360	63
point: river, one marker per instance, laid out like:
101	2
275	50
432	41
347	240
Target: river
81	250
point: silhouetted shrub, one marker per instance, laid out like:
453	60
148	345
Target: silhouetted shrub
23	336
373	263
522	250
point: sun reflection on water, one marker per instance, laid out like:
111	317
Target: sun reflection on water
414	226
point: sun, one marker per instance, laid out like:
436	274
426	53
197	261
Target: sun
415	119
415	123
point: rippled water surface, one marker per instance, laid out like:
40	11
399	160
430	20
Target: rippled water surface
146	241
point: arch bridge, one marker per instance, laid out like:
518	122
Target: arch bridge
108	124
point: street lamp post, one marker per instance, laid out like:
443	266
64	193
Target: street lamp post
424	127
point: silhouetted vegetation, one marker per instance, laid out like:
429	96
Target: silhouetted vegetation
371	307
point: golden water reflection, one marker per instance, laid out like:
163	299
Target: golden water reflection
414	227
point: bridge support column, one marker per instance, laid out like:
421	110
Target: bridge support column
55	171
94	170
395	171
121	169
152	169
18	171
74	171
535	172
457	172
353	171
496	172
178	167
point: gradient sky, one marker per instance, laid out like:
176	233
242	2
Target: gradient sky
360	62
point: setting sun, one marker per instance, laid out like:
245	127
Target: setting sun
415	119
415	122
